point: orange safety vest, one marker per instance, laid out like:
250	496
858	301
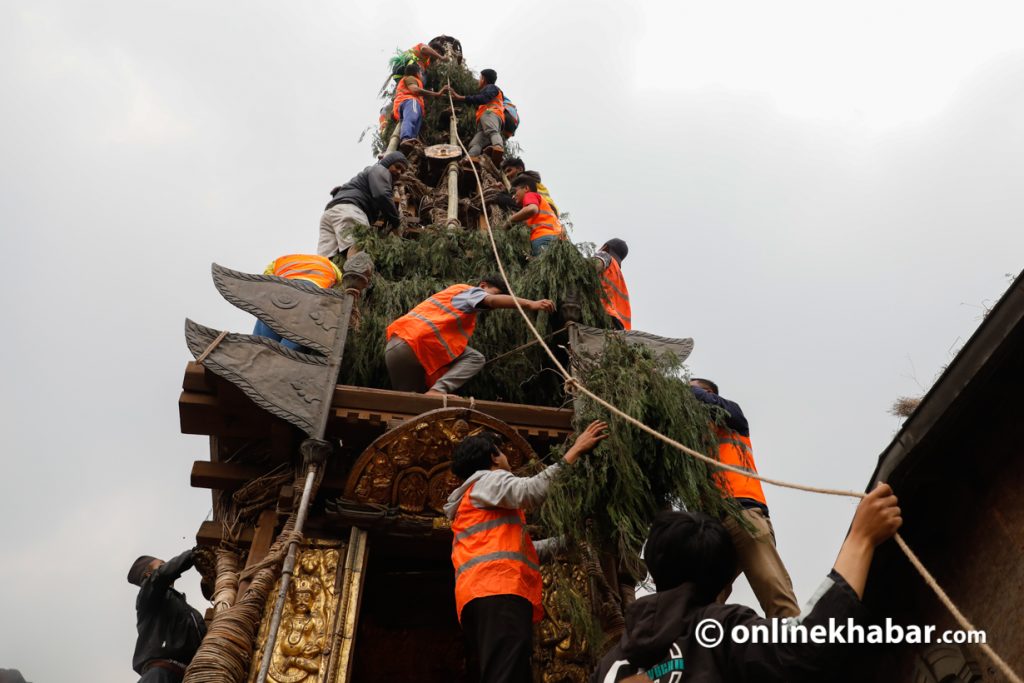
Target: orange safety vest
735	449
616	295
436	331
316	269
545	221
493	555
417	51
497	105
403	94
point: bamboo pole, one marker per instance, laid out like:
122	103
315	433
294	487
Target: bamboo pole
393	142
453	177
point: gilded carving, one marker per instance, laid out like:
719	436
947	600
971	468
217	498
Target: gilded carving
302	649
409	466
561	654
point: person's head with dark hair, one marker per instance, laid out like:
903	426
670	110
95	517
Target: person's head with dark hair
493	284
479	452
533	174
690	547
488	77
523	184
512	167
617	248
705	384
413	69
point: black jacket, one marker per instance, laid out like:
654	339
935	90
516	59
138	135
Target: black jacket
169	628
371	191
660	639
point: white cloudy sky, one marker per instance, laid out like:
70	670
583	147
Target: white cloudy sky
824	195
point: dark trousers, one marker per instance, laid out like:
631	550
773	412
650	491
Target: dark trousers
499	635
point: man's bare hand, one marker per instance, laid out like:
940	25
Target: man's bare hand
542	305
877	518
595	433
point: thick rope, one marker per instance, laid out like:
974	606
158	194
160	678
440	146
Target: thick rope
225	589
574	383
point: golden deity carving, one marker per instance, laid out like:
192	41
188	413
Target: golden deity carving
303	638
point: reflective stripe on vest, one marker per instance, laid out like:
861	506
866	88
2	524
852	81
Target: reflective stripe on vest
735	449
493	555
497	105
315	269
544	222
616	295
436	331
403	94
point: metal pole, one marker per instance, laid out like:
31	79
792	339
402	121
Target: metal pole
286	575
307	490
453	176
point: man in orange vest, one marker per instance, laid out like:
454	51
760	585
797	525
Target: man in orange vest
756	554
616	295
497	566
545	227
428	347
513	166
318	270
490	116
408	106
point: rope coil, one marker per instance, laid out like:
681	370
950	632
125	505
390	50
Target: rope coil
571	381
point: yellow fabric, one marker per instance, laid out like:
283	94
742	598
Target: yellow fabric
543	192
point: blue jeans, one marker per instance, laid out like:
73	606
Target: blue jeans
412	118
263	330
541	243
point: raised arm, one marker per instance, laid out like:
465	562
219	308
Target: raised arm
507	301
876	520
503	489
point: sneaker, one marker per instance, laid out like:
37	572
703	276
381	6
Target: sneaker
496	154
407	144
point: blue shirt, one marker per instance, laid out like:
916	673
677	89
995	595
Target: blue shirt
470	300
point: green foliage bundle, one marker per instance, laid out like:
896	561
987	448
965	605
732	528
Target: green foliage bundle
410	270
610	497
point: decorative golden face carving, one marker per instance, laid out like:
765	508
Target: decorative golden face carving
409	467
302	650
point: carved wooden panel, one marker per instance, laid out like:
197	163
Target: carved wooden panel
409	467
302	650
560	653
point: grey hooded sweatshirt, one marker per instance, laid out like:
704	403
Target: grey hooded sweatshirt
371	191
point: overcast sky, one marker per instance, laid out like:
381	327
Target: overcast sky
825	196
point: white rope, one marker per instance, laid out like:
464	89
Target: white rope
572	382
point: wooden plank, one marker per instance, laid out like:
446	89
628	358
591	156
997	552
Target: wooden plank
197	379
227	476
366	399
262	539
209	534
